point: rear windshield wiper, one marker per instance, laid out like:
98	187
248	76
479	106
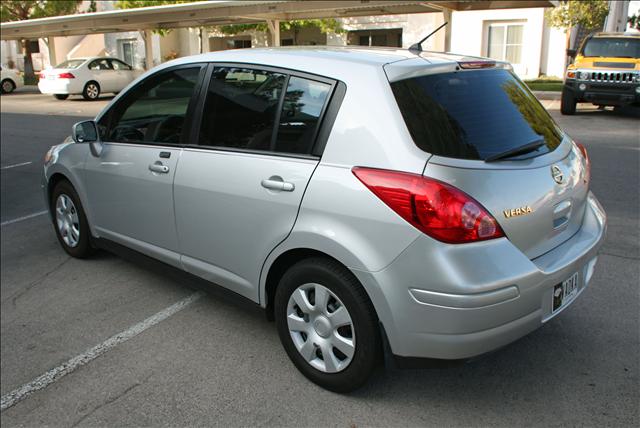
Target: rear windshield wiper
529	147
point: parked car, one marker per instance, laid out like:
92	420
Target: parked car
605	72
369	200
10	80
88	77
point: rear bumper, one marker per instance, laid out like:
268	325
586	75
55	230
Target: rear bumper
616	94
458	301
60	86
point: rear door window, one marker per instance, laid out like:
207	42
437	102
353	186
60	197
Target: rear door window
100	64
240	108
260	110
474	114
303	104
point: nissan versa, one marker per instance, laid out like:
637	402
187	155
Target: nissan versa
370	200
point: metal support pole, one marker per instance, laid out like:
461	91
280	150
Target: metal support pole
51	44
148	49
274	29
205	40
447	15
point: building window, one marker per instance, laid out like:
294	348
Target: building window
391	37
34	46
128	50
241	44
505	42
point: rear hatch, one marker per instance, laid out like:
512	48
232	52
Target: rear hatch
491	138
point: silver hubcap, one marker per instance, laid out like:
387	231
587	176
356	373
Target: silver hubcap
321	328
7	86
92	91
67	220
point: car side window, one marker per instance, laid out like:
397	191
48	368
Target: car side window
119	65
154	111
304	101
100	64
240	108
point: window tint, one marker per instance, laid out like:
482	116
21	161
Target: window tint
620	47
100	64
303	103
71	63
240	108
153	111
119	65
473	114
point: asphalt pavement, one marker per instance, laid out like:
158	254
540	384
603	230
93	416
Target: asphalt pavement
212	362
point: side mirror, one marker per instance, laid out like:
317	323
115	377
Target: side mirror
87	132
572	53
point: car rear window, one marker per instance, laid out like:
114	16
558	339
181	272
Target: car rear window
71	63
474	114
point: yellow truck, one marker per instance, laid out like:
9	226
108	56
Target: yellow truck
605	72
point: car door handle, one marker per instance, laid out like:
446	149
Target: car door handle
159	168
276	183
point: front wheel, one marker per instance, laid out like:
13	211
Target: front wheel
61	96
327	324
70	221
91	91
568	103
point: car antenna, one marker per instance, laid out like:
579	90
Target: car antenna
417	47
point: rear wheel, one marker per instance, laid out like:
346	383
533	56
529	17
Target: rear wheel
91	91
568	102
327	324
61	96
7	86
70	221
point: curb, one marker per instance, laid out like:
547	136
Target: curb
547	95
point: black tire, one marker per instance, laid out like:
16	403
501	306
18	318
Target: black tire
341	282
61	96
83	248
568	103
7	86
91	91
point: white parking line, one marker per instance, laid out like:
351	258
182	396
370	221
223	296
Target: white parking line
26	217
64	369
16	165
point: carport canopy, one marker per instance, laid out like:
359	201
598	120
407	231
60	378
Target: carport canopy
212	13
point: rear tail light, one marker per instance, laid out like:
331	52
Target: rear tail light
41	75
433	207
585	155
66	76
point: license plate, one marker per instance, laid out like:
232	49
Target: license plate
564	292
51	77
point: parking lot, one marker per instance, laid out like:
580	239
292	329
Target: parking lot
208	361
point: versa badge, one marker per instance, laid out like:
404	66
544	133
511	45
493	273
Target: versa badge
515	212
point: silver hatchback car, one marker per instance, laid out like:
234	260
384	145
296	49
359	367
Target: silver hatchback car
371	201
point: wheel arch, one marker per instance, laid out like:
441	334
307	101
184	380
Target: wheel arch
280	265
56	173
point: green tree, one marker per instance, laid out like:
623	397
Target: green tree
328	25
587	13
13	10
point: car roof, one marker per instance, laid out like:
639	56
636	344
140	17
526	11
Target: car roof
332	61
611	34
